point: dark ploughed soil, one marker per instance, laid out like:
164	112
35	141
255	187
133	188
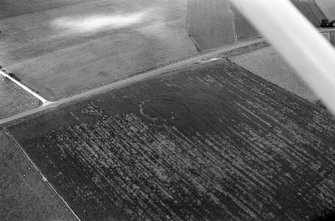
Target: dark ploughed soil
208	142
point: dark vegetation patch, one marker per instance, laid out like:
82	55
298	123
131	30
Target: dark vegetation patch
203	143
14	77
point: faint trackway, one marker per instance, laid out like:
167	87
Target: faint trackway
47	105
44	101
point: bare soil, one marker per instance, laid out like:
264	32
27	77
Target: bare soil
208	142
14	100
69	50
23	194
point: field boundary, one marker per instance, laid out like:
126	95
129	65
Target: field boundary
39	171
43	100
222	52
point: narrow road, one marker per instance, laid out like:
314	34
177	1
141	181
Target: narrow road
206	57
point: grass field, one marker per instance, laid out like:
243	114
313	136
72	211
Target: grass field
210	23
216	23
23	195
14	100
268	64
244	30
212	141
311	10
327	7
68	50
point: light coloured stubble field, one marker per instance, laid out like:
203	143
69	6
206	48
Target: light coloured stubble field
69	50
268	64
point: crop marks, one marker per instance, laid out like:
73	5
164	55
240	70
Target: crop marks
210	142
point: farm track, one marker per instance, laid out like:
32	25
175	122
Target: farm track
207	141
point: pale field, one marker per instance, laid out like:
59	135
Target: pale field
327	7
23	194
14	100
69	50
268	64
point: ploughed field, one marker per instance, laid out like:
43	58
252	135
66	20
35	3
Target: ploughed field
212	141
23	195
66	47
14	100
